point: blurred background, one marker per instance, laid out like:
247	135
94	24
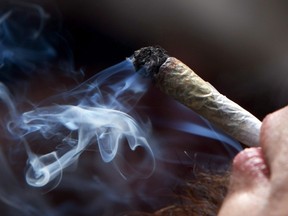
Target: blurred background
240	47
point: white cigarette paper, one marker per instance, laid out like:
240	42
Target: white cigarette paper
179	81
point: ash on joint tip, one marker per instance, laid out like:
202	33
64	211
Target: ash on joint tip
148	60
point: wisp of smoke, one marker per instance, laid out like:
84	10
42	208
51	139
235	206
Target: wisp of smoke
94	112
97	113
28	45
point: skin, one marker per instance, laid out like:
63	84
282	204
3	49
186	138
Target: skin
259	180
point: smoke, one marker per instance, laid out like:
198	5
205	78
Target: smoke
98	148
29	44
99	115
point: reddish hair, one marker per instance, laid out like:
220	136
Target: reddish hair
202	195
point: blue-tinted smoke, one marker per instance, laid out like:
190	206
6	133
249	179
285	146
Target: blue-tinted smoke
28	45
97	114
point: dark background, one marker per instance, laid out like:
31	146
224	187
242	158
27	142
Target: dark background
237	46
240	47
